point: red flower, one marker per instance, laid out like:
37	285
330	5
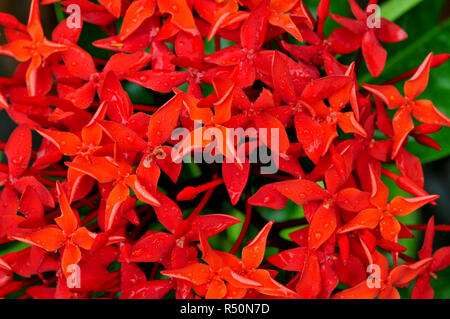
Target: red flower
423	110
239	275
67	235
399	276
81	65
383	213
439	260
248	58
357	33
31	45
120	173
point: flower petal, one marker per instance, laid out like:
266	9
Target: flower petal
151	247
403	125
69	220
18	150
49	238
419	81
374	54
253	252
198	274
253	30
323	225
301	191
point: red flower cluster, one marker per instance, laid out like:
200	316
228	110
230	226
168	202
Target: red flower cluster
102	151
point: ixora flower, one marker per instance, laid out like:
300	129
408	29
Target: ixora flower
106	205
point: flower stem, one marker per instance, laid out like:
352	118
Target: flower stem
217	43
58	173
145	108
406	184
424	227
358	60
248	217
154	271
201	205
209	185
407	258
45	181
277	177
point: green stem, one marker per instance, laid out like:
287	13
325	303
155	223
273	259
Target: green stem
59	12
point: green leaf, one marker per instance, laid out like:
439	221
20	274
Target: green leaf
139	94
189	170
12	247
184	87
234	230
441	286
290	212
209	46
89	34
59	12
339	7
224	43
394	9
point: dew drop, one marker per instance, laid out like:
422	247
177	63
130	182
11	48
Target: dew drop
268	199
18	159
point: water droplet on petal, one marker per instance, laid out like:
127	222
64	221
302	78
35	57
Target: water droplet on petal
18	159
268	199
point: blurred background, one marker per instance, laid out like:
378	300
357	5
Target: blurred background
428	27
